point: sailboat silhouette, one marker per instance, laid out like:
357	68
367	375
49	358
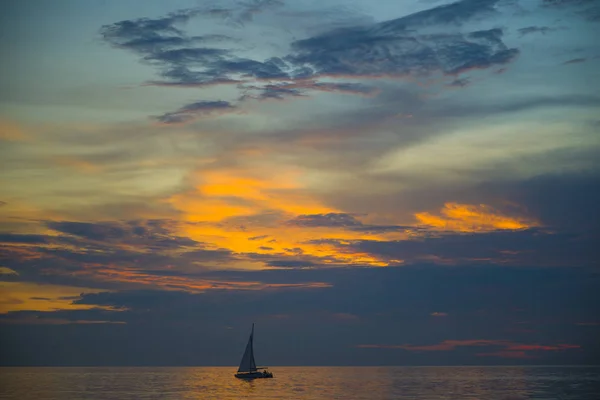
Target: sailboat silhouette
248	369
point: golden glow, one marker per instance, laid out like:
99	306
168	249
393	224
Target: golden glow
472	218
7	271
19	296
12	132
232	208
77	164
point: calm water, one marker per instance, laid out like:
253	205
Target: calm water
485	383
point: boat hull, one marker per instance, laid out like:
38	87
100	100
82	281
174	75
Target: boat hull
254	375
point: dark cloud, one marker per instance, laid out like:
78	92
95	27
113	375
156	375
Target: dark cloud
533	247
196	110
587	9
383	51
208	255
536	29
462	82
344	220
344	87
261	237
290	264
301	88
154	233
275	92
325	220
564	202
591	14
90	230
384	306
106	254
187	56
551	3
162	42
373	50
455	13
145	35
22	238
575	61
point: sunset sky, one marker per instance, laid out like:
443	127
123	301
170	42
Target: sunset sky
410	182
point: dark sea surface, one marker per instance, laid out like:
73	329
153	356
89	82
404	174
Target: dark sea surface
485	383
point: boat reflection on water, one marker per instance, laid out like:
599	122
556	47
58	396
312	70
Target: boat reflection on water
248	368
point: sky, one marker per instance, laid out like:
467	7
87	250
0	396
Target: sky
371	183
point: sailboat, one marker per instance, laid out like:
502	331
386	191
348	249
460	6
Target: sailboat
248	368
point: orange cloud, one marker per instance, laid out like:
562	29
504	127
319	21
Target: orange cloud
21	296
77	164
12	132
472	218
54	321
232	208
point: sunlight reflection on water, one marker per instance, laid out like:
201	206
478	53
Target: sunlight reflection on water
483	383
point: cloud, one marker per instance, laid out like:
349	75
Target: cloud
7	271
575	61
274	92
22	238
472	218
461	82
510	349
301	88
439	314
90	230
561	201
154	234
551	3
181	282
446	345
536	29
161	42
325	220
347	222
389	48
11	131
146	35
196	110
290	264
533	247
394	307
20	296
261	237
587	9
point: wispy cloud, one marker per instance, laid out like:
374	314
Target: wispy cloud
508	349
389	48
473	218
196	110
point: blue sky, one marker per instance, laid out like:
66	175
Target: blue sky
300	156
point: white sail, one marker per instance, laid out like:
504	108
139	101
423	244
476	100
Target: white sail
248	364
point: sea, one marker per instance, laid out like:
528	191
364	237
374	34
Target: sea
369	383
